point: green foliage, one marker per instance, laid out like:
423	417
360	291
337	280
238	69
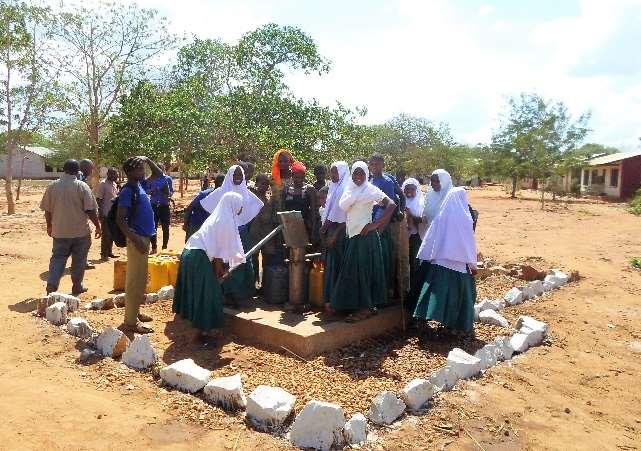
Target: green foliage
636	262
533	138
635	203
221	100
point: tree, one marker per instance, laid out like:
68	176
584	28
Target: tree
103	51
533	137
28	84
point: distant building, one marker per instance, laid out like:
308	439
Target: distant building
617	176
30	162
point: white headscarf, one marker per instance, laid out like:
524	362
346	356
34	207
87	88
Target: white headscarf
251	203
357	201
353	193
434	199
333	211
218	236
450	235
416	204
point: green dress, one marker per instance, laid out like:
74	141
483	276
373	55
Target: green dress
198	296
387	250
333	261
361	283
241	283
446	296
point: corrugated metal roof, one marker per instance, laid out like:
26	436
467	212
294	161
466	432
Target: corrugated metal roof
43	152
614	158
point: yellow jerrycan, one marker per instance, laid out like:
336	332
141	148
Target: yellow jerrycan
172	270
120	274
316	284
157	274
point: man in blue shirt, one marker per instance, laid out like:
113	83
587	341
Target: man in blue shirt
136	220
394	239
160	188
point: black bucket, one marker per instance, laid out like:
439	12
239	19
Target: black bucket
276	284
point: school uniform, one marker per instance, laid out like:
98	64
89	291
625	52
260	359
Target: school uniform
199	295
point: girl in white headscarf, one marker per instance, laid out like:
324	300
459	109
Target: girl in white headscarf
333	228
241	284
414	206
215	246
440	185
360	286
447	289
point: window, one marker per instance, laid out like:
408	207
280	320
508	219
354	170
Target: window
586	177
614	177
596	178
48	168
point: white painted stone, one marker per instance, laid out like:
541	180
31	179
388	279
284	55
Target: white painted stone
513	297
504	348
463	364
491	304
536	288
385	408
120	299
56	313
519	342
185	375
79	327
140	354
493	317
531	323
355	430
72	302
318	426
102	304
166	293
112	342
444	379
416	393
269	407
534	336
151	298
561	277
226	392
488	355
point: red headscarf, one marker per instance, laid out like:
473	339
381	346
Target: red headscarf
299	167
276	169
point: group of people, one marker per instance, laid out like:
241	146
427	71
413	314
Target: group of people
381	240
142	206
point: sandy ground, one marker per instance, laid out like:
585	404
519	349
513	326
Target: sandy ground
581	392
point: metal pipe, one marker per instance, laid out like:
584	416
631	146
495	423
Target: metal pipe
256	248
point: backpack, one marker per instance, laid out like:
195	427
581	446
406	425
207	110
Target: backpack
117	236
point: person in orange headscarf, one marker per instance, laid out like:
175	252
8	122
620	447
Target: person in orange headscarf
301	196
281	176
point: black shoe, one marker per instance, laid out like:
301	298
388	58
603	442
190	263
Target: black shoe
77	292
113	256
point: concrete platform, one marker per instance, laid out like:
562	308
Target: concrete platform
306	335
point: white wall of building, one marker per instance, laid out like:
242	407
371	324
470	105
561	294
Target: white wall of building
31	166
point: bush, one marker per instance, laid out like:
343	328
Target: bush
635	204
636	262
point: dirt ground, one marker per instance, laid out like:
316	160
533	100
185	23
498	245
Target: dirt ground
581	392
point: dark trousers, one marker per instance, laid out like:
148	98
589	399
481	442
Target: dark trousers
106	241
78	249
162	217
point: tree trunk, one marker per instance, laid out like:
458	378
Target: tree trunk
542	199
8	169
513	195
20	179
8	179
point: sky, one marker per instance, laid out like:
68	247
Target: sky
454	61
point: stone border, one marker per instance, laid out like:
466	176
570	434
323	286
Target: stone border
319	425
